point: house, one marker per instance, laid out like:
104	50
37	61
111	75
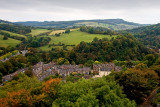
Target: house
41	70
65	70
105	69
10	76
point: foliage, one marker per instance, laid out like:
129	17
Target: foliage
13	64
73	78
61	61
149	59
158	97
156	68
28	92
15	28
1	75
93	93
121	48
138	83
67	31
148	35
97	30
29	73
38	41
4	50
5	38
52	76
9	54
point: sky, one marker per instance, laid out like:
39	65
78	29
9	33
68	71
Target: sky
138	11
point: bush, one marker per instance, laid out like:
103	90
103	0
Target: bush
5	38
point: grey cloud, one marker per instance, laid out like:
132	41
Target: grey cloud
142	11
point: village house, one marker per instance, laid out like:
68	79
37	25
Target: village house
42	70
65	70
10	76
105	69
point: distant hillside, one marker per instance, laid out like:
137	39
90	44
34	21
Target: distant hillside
3	21
113	24
149	35
15	28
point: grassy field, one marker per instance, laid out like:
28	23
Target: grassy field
61	31
74	38
9	42
35	32
14	34
56	31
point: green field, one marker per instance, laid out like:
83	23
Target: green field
14	34
9	42
56	31
74	38
61	31
35	32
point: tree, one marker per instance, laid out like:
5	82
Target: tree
141	66
5	38
156	69
88	100
2	69
92	93
97	62
1	75
8	66
62	61
29	73
149	59
51	87
158	61
89	63
67	31
137	84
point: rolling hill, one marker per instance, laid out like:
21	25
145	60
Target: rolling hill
73	38
35	32
113	24
14	32
13	27
148	35
9	42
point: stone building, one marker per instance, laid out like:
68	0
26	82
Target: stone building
105	69
42	70
10	76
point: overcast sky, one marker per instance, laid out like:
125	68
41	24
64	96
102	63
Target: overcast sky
139	11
